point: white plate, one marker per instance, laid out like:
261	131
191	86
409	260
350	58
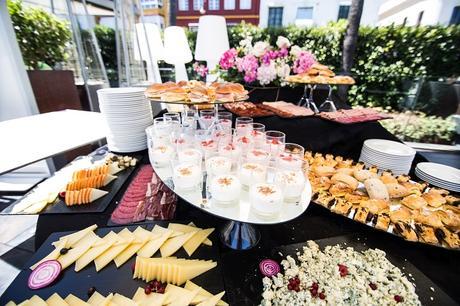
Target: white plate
439	171
389	147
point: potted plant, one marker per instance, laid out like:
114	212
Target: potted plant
263	68
43	40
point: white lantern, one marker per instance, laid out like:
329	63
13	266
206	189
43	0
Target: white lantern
177	51
149	48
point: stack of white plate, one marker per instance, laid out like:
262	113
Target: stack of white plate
439	175
387	155
127	113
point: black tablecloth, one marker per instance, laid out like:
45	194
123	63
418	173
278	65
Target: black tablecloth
315	134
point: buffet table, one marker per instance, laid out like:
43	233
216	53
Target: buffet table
240	267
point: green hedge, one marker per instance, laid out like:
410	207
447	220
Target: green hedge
388	58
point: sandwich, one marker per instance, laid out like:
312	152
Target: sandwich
174	94
156	90
224	93
198	94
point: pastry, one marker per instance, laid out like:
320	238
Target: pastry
414	201
342	207
376	189
362	175
402	214
426	233
344	170
344	178
434	198
323	170
396	190
446	236
452	200
427	217
388	178
405	230
340	189
361	214
383	222
325	199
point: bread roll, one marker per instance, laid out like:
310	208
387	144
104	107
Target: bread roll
376	189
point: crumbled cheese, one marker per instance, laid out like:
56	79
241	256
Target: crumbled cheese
316	266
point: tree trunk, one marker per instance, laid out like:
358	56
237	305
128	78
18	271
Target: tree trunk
350	42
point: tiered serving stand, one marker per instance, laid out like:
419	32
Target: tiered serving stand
239	232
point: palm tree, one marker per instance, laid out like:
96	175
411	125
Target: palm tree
350	41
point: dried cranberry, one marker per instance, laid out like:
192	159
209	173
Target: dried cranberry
343	270
91	291
290	287
297	289
373	286
315	286
322	296
62	194
314	292
398	299
161	289
147	290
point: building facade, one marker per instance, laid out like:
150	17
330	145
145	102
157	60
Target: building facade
275	13
189	11
419	12
156	11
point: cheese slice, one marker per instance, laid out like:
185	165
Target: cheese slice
54	254
72	300
36	207
193	243
98	299
173	244
189	285
72	239
160	230
212	301
105	258
152	246
177	296
56	300
122	300
96	249
142	236
11	303
81	247
191	227
25	303
152	299
36	301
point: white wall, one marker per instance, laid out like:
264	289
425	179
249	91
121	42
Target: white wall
324	11
434	12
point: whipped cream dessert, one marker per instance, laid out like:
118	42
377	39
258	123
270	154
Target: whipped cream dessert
252	173
190	155
289	161
218	165
232	151
258	156
208	146
258	137
226	124
225	188
266	199
244	142
292	183
274	146
187	176
162	155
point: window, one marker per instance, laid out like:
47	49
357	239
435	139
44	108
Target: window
419	19
198	4
275	16
229	4
304	13
455	19
214	5
343	12
245	4
183	5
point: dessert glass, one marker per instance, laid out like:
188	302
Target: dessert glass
225	189
266	199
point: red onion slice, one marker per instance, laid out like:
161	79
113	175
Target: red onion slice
269	267
44	274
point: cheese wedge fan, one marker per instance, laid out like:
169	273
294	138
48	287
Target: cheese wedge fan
56	300
170	270
99	170
189	285
173	244
73	238
152	299
83	196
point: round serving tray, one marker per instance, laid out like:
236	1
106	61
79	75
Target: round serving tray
239	211
183	102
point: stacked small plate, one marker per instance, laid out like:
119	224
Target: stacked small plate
387	155
127	113
439	175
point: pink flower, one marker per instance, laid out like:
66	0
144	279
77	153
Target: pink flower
283	52
228	59
248	64
304	62
201	70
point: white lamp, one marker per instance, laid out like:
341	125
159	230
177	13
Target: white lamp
177	51
211	41
149	48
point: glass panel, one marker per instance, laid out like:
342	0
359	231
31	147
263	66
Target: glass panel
183	5
198	4
229	4
304	13
343	11
245	4
275	16
455	19
214	5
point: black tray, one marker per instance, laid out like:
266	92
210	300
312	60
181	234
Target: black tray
246	281
110	279
100	205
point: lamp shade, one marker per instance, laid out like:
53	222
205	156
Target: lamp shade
148	37
177	49
212	39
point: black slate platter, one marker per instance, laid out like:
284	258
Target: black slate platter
246	281
110	279
100	205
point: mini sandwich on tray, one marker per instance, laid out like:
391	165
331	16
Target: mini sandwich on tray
287	110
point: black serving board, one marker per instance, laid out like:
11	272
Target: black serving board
246	281
110	279
100	205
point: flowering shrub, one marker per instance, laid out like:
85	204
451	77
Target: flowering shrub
200	69
261	64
